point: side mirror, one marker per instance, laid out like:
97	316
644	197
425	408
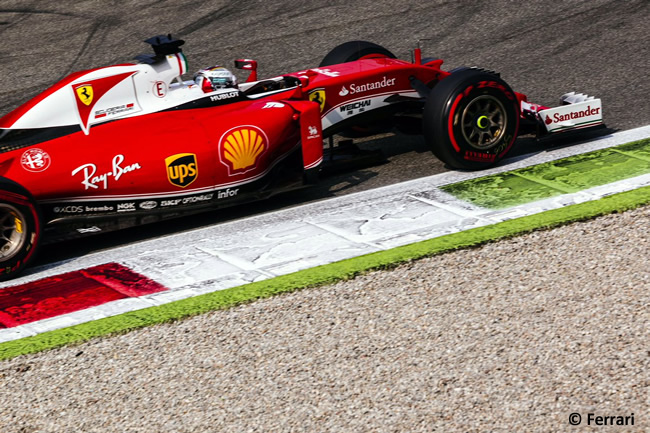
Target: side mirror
305	77
248	65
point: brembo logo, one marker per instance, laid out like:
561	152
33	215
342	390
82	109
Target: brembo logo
182	169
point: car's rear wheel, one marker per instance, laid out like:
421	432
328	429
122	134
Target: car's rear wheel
471	119
20	229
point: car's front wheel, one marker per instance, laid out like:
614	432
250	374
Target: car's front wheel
471	119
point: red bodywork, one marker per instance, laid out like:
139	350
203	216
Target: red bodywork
213	150
129	144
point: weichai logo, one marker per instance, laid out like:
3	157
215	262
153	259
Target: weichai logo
182	169
240	148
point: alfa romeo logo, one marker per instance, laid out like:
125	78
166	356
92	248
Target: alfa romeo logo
35	160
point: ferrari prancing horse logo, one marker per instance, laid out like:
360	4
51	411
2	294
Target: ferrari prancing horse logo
318	96
85	94
91	91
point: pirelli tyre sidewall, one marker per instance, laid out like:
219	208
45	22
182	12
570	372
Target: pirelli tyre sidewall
471	119
20	229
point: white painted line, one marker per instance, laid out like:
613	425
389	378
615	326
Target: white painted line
263	246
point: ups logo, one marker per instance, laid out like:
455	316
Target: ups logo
182	169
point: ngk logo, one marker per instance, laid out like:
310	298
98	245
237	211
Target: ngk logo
125	207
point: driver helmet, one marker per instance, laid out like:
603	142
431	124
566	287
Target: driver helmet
215	77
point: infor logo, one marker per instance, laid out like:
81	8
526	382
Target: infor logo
182	169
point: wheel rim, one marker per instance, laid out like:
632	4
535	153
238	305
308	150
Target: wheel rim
484	122
12	231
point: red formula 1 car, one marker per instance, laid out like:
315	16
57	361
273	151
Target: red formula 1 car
131	143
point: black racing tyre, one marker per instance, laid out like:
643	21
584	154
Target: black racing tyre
471	119
355	50
21	227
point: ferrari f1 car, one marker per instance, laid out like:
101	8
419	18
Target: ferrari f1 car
131	143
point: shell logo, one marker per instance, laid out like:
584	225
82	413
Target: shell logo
240	148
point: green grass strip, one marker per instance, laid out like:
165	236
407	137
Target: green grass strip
567	175
322	275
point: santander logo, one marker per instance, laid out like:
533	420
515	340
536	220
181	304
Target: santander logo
366	87
557	117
